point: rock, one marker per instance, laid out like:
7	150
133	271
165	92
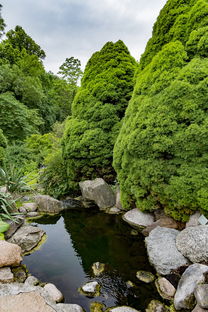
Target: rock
201	295
194	275
118	199
165	288
156	306
6	275
91	289
122	309
144	276
27	237
14	226
71	203
138	219
53	292
22	210
162	222
32	302
98	268
192	242
99	191
48	204
134	232
31	281
193	220
130	284
10	254
30	207
32	214
97	307
113	210
3	189
162	251
66	307
198	309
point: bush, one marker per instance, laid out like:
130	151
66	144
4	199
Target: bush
161	152
97	110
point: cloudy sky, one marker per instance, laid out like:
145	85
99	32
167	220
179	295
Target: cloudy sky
65	28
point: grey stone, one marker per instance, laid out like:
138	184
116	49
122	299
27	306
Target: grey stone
53	292
165	288
30	207
193	220
198	309
32	214
90	288
201	295
122	309
6	275
27	237
14	226
156	306
48	204
162	222
66	307
99	191
10	254
162	251
31	281
192	242
146	277
194	275
98	268
113	210
138	219
22	210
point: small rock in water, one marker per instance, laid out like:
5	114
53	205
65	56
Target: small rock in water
53	292
130	284
6	275
91	289
97	307
144	276
165	288
98	268
134	232
122	309
156	306
113	210
201	295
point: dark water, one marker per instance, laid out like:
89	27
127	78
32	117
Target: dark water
77	239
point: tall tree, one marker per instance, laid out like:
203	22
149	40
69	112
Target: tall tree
71	70
161	152
96	114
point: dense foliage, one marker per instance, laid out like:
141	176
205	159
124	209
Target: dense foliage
97	110
161	153
3	145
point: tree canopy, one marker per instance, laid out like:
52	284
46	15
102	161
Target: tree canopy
161	152
97	110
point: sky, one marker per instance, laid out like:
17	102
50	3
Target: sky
78	28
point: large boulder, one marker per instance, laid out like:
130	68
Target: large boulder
98	191
48	204
201	295
53	292
194	275
138	219
192	242
162	251
10	254
27	237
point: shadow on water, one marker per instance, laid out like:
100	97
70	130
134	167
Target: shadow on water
77	239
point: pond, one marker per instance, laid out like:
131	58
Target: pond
77	239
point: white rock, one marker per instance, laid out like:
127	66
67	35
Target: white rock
90	287
162	251
6	275
194	275
53	292
138	219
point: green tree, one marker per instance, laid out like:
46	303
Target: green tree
160	155
19	40
71	70
2	24
97	111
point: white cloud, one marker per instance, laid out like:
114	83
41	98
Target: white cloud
78	28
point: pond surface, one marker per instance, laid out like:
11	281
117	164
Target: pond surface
77	239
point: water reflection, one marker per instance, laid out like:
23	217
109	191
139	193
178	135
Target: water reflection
75	241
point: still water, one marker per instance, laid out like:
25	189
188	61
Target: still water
77	239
